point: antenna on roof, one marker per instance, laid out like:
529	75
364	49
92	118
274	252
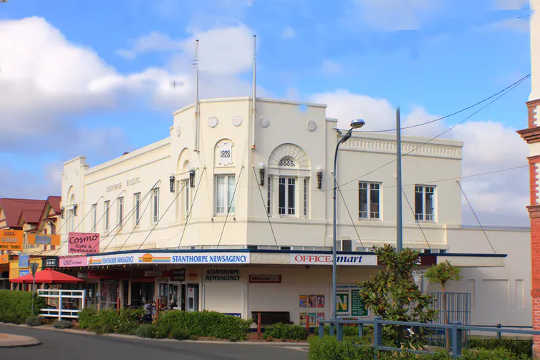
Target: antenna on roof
254	93
197	109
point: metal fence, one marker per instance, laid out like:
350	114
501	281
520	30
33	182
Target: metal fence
456	332
458	310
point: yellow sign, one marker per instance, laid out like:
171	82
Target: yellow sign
43	239
11	239
4	258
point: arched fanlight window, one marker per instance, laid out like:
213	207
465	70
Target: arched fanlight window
287	161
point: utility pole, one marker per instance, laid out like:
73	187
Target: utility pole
399	190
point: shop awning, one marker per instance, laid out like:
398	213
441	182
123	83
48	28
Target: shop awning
47	276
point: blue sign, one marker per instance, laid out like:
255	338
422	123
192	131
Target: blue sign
23	261
23	272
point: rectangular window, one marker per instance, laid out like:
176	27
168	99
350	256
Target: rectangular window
107	207
287	192
186	198
94	217
155	205
137	206
424	202
120	211
269	196
369	197
225	185
306	196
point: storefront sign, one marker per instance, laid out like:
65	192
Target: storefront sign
4	258
73	261
83	243
178	275
342	303
51	262
23	261
170	258
24	272
357	305
11	239
426	260
319	259
264	278
44	239
222	274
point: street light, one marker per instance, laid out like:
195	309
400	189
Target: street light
355	124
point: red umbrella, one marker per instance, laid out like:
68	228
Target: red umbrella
47	276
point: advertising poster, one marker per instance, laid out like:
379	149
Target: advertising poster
342	303
357	305
303	301
83	243
312	301
44	239
11	239
320	316
320	301
23	261
303	318
312	319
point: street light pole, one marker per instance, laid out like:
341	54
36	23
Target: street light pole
355	124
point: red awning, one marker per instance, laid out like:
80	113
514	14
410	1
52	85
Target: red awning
48	276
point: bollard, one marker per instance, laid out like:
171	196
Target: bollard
321	330
339	327
499	334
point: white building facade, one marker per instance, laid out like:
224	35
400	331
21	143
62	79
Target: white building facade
233	213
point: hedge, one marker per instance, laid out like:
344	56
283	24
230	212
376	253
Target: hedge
516	346
125	321
328	348
176	324
16	306
286	332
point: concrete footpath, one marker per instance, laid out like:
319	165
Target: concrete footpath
12	340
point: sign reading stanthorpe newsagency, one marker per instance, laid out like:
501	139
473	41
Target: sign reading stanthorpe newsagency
83	243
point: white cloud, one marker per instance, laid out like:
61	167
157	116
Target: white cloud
499	198
153	42
393	15
509	4
331	67
288	33
513	24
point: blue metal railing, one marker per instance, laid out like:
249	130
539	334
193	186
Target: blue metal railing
456	332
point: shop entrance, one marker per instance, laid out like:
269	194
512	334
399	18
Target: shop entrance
179	296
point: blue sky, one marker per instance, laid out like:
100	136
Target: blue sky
92	78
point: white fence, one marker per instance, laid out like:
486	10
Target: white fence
61	310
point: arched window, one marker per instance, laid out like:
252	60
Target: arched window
287	161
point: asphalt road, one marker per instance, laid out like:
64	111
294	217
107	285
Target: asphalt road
62	346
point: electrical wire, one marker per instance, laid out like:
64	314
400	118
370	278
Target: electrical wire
264	206
350	217
517	82
188	217
229	206
416	221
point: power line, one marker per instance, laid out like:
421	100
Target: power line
416	220
264	206
351	218
229	206
517	82
188	217
434	137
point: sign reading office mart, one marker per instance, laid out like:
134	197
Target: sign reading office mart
83	243
170	258
323	259
11	239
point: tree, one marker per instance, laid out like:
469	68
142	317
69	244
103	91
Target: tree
441	274
392	294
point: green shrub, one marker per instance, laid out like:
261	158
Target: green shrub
63	324
180	333
33	320
515	346
205	323
125	321
16	306
146	331
285	331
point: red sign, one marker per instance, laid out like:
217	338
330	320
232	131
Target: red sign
83	243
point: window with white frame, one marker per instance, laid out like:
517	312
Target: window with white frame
94	217
225	185
424	202
106	209
137	207
71	219
287	195
155	205
120	211
369	200
187	204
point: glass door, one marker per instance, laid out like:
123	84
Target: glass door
192	297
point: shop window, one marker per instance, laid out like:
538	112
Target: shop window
225	185
271	317
424	202
369	196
